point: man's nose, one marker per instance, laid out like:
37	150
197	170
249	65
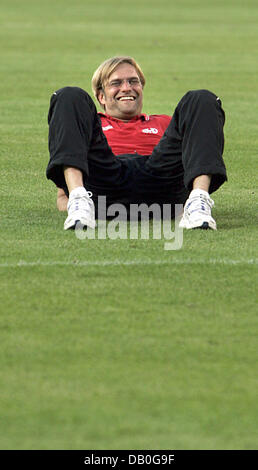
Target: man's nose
125	85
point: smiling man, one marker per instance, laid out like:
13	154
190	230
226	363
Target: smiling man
131	157
122	95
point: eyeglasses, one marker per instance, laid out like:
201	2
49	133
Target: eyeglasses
118	83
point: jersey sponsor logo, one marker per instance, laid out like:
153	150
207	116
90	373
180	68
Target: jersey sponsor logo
106	128
151	130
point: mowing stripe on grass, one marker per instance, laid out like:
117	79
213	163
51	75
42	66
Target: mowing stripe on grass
118	262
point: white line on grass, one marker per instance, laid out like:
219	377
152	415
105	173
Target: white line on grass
140	262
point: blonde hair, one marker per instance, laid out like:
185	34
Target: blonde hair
103	72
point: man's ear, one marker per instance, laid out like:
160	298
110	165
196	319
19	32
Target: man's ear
101	98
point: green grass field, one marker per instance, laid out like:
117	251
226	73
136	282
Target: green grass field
119	344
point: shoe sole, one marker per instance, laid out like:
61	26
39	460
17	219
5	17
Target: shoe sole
203	225
71	224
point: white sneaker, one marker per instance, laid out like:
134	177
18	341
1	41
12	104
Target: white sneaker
197	211
80	209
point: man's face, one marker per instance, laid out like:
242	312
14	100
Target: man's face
123	93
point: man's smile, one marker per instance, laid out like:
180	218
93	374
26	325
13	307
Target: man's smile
126	98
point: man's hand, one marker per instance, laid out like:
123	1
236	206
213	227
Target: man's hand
62	200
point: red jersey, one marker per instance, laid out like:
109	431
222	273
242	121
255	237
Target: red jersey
139	135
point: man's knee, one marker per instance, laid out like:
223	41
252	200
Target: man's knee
201	95
71	97
71	92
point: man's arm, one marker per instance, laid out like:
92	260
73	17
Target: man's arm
61	200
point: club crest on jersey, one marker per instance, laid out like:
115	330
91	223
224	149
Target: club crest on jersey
150	130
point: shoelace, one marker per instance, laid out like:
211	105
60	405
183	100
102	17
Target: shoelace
199	203
79	202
